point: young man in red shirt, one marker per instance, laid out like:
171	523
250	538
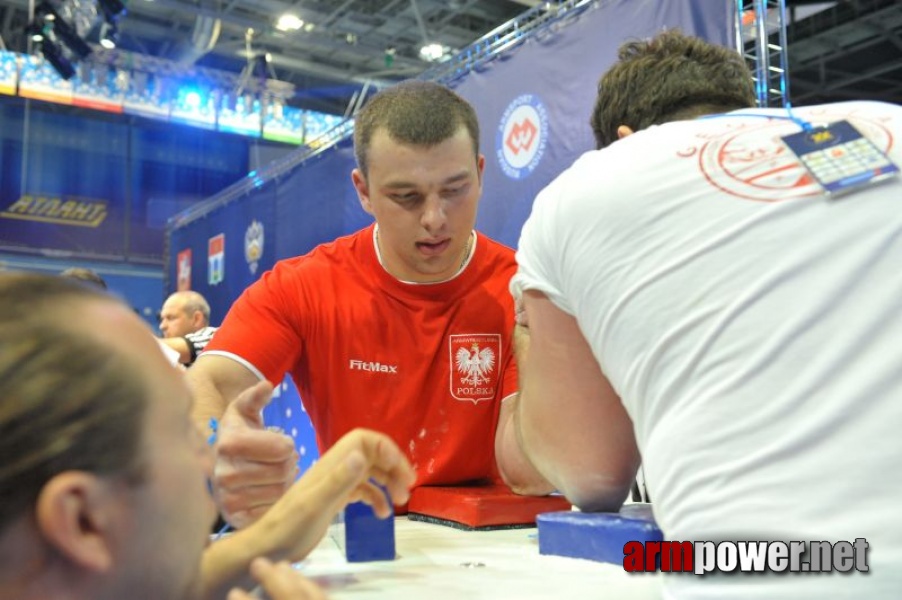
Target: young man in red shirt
405	327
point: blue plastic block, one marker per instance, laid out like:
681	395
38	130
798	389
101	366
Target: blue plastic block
366	536
596	536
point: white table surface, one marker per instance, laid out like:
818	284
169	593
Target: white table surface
437	563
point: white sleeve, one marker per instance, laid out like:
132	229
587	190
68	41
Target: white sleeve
539	264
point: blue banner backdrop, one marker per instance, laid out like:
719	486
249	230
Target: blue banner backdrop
317	203
85	186
534	103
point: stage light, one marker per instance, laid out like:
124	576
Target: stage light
55	57
71	39
109	35
67	23
35	32
63	31
289	22
192	99
111	8
432	52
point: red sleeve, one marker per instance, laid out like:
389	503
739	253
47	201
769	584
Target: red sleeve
263	327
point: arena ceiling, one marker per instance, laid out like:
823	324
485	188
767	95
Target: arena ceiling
846	49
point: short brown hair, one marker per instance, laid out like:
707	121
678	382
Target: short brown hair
669	77
67	401
421	113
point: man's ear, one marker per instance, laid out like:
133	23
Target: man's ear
76	513
480	168
624	131
363	190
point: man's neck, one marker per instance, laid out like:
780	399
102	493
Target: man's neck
699	110
42	587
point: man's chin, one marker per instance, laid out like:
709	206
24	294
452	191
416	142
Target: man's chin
435	273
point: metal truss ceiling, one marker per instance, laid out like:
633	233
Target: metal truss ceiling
351	41
851	50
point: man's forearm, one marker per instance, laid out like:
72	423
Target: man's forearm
225	563
209	402
516	470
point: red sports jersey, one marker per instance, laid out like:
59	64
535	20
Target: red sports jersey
427	364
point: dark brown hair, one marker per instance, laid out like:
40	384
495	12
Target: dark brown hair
420	113
67	400
667	78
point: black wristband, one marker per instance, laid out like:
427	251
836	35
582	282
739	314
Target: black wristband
192	350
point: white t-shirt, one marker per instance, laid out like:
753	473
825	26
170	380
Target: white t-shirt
752	328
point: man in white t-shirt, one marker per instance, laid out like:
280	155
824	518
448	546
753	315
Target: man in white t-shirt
694	297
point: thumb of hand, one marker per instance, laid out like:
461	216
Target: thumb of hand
250	403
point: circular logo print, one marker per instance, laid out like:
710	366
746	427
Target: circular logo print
522	135
751	162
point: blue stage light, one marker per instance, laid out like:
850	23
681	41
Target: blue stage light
192	99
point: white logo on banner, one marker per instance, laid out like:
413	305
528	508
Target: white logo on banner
522	135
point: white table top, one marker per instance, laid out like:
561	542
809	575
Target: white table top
438	563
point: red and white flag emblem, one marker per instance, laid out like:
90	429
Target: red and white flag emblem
474	366
183	270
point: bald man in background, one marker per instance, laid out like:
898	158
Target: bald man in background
185	324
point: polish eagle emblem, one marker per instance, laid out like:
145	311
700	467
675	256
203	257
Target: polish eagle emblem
475	366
